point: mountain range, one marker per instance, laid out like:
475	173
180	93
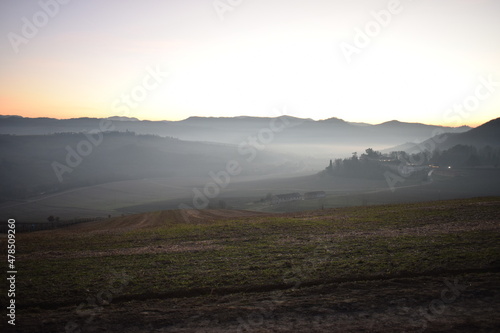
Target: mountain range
314	138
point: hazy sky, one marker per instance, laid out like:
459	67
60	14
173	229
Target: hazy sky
95	58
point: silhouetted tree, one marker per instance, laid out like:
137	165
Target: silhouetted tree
370	153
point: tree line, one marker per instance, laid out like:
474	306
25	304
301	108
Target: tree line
373	164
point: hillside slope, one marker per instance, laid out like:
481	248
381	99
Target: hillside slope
40	164
487	134
431	266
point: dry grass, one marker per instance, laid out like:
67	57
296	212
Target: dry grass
217	266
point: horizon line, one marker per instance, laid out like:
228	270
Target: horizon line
247	116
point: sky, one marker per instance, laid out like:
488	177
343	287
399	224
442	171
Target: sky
428	61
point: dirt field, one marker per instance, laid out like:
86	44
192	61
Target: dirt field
391	305
430	267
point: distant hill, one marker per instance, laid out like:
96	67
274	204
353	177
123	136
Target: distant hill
487	134
320	139
123	118
39	164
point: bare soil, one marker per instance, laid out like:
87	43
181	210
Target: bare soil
419	304
444	301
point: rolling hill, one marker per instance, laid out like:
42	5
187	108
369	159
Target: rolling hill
487	134
32	165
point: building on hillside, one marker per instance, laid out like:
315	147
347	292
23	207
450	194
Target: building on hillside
314	195
280	198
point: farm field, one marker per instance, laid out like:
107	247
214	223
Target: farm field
98	200
145	195
423	267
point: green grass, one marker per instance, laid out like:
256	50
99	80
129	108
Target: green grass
249	253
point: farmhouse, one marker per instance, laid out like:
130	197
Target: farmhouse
314	195
279	198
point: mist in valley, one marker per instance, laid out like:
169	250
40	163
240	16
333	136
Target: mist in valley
108	167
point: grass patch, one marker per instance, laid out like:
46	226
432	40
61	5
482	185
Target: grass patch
286	250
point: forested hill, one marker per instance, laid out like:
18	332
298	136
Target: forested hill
37	164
